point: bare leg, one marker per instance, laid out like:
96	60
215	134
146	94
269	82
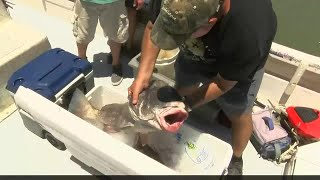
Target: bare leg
115	52
116	77
82	50
132	16
241	133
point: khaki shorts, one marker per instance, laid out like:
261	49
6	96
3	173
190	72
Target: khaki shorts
112	17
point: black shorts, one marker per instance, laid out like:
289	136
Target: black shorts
129	3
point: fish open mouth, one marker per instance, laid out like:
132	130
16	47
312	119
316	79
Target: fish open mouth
172	119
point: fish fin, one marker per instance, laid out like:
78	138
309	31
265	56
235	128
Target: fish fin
81	107
109	129
144	138
127	124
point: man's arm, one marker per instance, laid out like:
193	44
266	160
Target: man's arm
149	54
209	92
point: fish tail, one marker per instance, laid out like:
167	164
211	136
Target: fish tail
81	107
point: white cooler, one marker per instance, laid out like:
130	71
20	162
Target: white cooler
193	151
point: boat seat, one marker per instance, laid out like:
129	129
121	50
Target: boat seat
19	45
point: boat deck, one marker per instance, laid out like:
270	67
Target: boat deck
24	153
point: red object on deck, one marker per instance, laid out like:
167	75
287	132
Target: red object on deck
305	120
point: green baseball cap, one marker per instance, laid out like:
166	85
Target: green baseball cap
178	19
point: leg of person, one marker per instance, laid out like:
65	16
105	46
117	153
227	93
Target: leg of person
132	15
237	105
115	23
85	21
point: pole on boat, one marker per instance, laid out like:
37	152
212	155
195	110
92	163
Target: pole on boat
290	165
293	82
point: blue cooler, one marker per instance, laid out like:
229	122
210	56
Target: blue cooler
54	74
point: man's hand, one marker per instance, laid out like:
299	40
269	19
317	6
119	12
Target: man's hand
149	53
138	4
136	88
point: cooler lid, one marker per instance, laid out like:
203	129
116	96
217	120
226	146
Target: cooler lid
49	73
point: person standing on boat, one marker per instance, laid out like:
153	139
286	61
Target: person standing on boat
113	19
132	15
223	45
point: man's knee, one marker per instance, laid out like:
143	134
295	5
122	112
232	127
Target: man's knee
236	118
84	39
237	107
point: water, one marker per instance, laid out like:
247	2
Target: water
298	24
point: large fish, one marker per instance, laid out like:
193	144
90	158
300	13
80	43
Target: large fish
159	108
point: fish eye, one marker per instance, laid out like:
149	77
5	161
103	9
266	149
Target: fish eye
168	94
